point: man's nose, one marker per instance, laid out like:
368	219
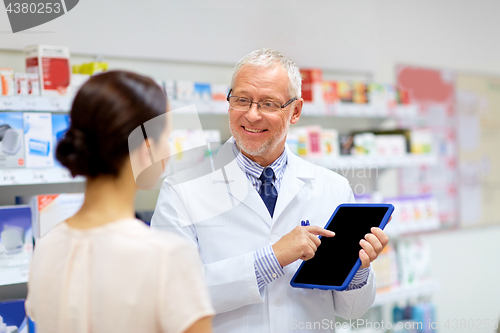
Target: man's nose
253	114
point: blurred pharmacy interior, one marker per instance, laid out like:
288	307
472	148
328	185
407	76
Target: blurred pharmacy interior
401	97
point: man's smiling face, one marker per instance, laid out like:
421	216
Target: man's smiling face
261	136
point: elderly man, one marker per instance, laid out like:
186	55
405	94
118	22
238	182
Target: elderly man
245	217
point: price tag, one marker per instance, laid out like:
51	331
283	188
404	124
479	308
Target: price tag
42	103
65	175
9	177
28	104
40	176
6	103
55	104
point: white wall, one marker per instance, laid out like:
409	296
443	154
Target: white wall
367	35
465	263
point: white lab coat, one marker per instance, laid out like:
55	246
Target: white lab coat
227	220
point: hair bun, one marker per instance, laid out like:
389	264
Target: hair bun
74	153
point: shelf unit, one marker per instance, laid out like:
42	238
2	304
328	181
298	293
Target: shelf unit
31	176
63	104
421	289
343	162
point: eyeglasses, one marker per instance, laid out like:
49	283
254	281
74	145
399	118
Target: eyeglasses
244	104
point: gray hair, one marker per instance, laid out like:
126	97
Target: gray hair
269	58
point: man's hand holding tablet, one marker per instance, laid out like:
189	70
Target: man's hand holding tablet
358	241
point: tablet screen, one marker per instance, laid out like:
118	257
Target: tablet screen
336	256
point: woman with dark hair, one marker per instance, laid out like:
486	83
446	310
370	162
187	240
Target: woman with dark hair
102	270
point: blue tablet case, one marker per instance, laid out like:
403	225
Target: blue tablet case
383	223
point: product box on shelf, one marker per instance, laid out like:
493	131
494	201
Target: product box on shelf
13	316
16	243
21	84
170	89
421	141
406	133
391	96
346	143
48	210
390	145
33	82
345	92
364	144
90	68
38	139
52	65
413	261
191	147
360	93
299	140
413	214
219	92
11	140
202	92
330	92
330	142
314	142
60	125
184	90
312	85
6	81
386	270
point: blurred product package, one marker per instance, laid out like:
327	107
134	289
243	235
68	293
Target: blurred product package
90	68
312	85
60	125
16	243
38	139
6	81
219	92
52	65
202	92
21	84
48	210
11	140
33	82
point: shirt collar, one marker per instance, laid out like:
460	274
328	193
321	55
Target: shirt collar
255	169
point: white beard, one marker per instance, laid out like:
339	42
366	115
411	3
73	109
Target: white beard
267	146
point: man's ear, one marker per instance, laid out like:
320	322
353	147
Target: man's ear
297	110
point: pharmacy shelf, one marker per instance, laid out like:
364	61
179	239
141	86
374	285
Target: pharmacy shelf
15	267
345	162
317	109
398	229
25	176
421	289
35	103
359	110
63	104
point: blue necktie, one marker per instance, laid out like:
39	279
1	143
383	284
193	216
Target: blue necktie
267	190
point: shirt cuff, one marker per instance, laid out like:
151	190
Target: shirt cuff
360	279
267	267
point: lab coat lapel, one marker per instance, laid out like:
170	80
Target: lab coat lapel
241	189
295	177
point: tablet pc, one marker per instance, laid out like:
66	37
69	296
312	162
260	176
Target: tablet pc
337	259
